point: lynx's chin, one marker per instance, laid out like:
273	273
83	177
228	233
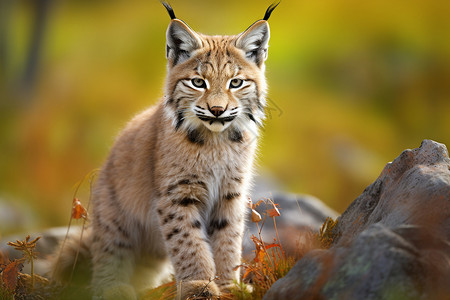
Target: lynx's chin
216	126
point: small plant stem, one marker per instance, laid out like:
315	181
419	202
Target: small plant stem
91	182
262	242
278	238
275	261
32	271
68	228
62	245
180	289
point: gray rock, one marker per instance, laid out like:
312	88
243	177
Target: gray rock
392	242
413	189
15	215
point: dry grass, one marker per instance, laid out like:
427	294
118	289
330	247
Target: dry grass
326	234
16	285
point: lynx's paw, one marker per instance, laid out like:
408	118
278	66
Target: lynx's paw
120	291
199	288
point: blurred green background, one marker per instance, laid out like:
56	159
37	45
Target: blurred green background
352	84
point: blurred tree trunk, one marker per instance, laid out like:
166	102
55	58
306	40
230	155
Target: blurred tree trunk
41	10
5	80
17	85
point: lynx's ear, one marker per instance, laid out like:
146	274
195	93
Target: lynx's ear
255	40
181	42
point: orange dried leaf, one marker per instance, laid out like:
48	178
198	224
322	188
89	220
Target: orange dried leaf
256	217
256	241
78	210
247	272
273	245
11	273
259	250
273	212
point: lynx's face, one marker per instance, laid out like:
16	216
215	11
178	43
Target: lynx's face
216	83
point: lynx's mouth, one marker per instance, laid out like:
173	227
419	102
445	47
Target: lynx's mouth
216	123
212	120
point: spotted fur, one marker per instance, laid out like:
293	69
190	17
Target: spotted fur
174	188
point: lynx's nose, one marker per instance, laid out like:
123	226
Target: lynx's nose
217	110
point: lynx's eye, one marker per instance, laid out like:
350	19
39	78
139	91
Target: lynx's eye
199	83
236	83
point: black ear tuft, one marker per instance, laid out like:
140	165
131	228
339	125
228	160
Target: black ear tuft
270	10
170	9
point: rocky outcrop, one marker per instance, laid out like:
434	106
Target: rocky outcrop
393	241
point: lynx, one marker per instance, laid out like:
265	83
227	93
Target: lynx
172	194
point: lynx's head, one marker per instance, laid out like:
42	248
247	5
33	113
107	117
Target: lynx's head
216	84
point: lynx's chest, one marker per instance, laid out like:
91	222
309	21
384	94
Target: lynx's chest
216	164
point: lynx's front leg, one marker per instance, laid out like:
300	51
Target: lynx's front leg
225	230
186	242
